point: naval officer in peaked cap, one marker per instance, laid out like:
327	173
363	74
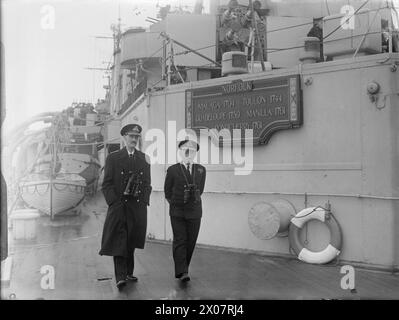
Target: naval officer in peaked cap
126	188
184	185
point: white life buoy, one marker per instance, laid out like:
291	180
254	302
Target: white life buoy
334	247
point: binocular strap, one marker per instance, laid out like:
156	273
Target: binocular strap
184	174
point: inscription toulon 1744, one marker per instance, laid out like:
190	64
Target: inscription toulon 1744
265	106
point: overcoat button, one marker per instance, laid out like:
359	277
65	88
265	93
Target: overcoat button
137	200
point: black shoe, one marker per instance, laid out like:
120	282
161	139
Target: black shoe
184	277
132	278
120	284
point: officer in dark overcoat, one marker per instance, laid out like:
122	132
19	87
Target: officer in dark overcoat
126	188
184	185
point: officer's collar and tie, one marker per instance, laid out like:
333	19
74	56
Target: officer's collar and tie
130	153
188	166
131	159
191	145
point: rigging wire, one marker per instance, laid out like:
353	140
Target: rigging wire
297	47
269	31
367	32
271	50
346	20
189	51
328	9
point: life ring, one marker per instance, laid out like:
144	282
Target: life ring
334	247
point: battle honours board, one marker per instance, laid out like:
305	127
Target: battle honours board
265	106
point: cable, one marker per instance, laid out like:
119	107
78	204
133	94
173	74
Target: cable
297	47
147	58
188	51
154	84
271	50
346	20
155	52
367	32
269	31
318	207
311	23
204	65
328	9
290	27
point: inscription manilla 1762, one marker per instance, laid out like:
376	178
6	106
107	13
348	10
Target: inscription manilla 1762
266	106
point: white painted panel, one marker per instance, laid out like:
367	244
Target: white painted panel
345	146
195	31
281	36
140	45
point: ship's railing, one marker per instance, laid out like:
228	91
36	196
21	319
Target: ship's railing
137	92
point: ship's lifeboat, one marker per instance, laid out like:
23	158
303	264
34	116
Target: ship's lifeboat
53	196
85	165
334	247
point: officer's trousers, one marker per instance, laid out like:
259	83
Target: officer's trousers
124	266
185	234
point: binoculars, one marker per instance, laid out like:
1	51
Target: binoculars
132	185
191	192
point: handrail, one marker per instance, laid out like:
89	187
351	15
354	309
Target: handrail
137	92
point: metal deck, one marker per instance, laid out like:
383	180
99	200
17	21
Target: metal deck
71	245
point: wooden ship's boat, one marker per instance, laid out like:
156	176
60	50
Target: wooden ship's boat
53	195
80	154
85	165
57	165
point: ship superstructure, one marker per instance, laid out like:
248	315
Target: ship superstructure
327	76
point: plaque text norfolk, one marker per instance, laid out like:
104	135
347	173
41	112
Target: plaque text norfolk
266	106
